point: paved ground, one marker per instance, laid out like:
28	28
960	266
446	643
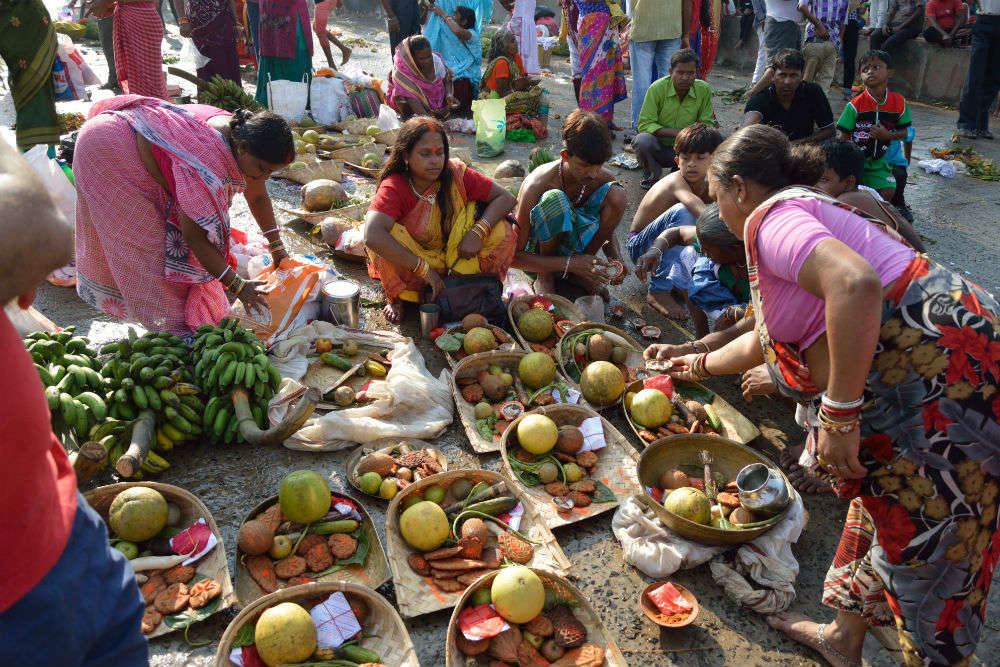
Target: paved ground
956	217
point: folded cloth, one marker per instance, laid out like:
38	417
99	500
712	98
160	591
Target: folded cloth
761	575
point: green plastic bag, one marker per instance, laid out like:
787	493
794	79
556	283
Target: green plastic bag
490	117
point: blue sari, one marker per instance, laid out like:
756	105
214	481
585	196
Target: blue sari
463	58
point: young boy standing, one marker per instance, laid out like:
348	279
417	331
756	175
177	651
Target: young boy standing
874	119
674	201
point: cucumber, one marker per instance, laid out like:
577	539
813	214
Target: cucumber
335	360
494	506
359	655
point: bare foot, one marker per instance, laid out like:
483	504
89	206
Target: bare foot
790	456
394	311
345	52
839	651
664	303
805	481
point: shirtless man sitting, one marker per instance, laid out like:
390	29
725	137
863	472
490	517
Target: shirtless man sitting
567	210
674	201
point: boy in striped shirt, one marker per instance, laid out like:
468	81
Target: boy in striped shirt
874	119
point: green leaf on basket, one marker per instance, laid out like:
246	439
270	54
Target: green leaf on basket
245	636
184	619
448	342
693	392
486	427
603	494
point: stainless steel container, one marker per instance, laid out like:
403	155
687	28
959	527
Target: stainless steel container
430	314
762	489
341	303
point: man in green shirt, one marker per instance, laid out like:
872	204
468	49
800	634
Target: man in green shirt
672	103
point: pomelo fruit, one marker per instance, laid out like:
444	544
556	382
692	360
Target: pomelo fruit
602	383
483	409
435	494
537	433
310	136
479	339
424	526
537	369
651	408
138	513
535	325
285	634
517	594
689	503
304	496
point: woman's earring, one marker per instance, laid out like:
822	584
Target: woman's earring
739	199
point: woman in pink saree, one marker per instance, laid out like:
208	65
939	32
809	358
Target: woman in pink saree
420	84
154	185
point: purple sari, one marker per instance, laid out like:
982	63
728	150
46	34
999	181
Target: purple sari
213	29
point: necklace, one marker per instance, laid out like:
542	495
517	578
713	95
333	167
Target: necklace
562	182
428	199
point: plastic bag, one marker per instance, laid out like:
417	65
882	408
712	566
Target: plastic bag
288	99
56	184
937	166
289	288
328	97
388	119
491	126
190	52
76	67
63	85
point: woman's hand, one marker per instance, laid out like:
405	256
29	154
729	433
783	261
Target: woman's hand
681	369
252	296
585	266
470	246
277	256
664	351
837	453
436	283
440	12
757	382
647	263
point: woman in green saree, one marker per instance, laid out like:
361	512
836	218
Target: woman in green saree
28	46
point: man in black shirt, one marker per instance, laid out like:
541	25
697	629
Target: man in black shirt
796	107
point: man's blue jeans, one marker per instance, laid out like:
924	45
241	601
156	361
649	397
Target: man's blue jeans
676	216
643	56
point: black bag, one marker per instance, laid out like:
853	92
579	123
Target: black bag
464	295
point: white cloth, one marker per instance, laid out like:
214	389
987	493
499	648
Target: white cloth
408	403
758	70
877	12
872	191
522	24
784	10
768	561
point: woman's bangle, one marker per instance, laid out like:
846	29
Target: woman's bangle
422	268
695	343
224	273
566	270
698	369
275	246
236	286
838	405
838	423
181	20
276	230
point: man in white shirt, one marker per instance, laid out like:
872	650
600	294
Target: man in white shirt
983	79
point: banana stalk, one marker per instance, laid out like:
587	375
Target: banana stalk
142	440
296	417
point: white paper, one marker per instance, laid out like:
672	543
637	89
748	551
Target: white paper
593	434
513	518
572	396
344	508
334	620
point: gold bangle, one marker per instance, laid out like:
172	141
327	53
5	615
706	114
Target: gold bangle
236	286
277	245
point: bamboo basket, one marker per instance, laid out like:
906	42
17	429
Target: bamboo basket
391	640
386	445
616	465
517	306
584	612
418	595
633	359
353	214
331	169
498	333
470	366
388	137
728	458
213	564
357	126
372	574
735	426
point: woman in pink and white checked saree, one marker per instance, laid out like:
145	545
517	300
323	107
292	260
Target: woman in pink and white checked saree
154	185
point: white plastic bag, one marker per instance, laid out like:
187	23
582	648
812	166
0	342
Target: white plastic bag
56	184
190	52
937	166
328	95
288	99
387	119
76	67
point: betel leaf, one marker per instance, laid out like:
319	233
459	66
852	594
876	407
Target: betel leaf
245	636
603	494
486	427
184	619
358	558
693	392
448	342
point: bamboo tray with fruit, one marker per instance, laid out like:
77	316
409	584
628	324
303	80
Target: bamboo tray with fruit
598	359
381	468
551	452
542	331
473	336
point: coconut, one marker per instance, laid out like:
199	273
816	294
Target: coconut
493	387
321	194
740	516
599	348
473	320
570	440
673	479
509	169
254	538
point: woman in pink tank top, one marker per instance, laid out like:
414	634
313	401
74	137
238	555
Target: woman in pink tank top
897	351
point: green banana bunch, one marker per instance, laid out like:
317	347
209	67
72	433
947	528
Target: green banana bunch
227	95
75	391
150	372
230	357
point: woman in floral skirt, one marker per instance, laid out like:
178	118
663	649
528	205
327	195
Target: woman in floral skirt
904	358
